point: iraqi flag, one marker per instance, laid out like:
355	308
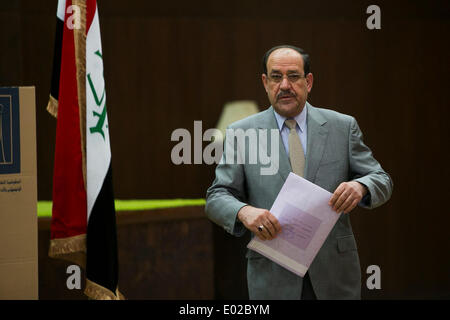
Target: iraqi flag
83	227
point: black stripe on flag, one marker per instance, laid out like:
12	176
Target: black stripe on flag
54	90
101	239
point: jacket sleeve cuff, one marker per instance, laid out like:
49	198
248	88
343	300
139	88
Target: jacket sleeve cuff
366	201
236	228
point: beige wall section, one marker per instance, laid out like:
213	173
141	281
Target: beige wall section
18	213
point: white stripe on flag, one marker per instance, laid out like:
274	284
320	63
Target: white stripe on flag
98	152
60	11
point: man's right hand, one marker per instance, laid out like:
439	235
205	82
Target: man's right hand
253	217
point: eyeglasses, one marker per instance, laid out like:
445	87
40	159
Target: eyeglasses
292	77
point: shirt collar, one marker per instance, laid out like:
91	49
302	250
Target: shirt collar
300	118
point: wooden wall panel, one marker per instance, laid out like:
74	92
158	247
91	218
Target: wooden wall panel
163	254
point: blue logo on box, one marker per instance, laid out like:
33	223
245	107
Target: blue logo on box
9	131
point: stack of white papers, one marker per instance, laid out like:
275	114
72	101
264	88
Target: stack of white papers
306	219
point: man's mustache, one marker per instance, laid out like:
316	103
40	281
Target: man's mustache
285	95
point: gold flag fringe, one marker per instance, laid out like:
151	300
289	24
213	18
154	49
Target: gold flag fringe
72	249
52	106
98	292
79	35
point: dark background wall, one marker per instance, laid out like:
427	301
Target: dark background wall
170	63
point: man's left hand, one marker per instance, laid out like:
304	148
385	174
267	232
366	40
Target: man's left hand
347	196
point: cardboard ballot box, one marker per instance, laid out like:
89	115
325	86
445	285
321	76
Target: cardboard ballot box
18	194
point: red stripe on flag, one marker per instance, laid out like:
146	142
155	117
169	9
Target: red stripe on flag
91	7
69	217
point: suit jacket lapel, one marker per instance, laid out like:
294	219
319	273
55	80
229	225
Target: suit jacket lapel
316	140
270	122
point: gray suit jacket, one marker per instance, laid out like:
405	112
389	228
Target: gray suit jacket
335	153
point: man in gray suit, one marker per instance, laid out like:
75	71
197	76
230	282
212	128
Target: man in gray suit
323	146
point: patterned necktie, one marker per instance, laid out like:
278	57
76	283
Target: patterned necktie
296	154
